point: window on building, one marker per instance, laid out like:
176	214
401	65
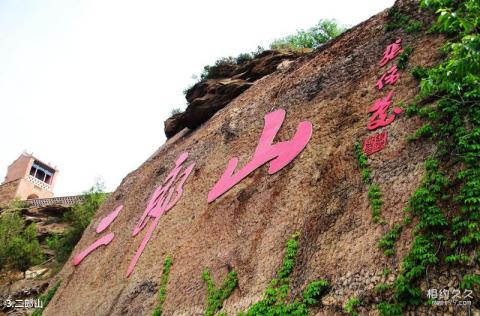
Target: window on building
41	172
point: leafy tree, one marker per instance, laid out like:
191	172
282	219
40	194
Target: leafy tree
315	36
19	246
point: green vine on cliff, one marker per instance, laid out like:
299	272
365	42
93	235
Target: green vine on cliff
387	243
375	198
374	192
352	305
403	58
216	296
362	162
453	122
429	236
162	292
397	19
275	297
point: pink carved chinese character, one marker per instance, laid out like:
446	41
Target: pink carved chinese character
105	240
375	143
379	110
279	154
391	52
160	203
390	77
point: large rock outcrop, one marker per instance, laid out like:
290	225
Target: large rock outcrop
207	97
320	194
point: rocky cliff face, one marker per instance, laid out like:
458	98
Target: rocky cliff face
17	285
320	194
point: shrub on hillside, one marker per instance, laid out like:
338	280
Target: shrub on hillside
19	246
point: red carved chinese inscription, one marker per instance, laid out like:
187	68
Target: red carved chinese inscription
375	143
391	52
162	200
279	154
390	77
103	241
380	116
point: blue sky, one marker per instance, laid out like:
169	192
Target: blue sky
87	85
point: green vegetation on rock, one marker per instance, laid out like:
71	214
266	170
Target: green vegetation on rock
387	243
399	20
19	246
162	292
216	296
315	36
276	297
351	306
362	162
447	204
429	235
374	192
375	198
403	58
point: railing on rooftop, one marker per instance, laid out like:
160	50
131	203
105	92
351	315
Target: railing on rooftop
39	183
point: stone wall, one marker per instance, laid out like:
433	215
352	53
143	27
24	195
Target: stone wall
8	191
28	189
19	168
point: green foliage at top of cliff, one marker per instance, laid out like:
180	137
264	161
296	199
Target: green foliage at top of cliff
313	37
322	32
82	213
227	64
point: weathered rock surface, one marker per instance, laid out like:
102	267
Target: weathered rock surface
207	97
320	194
16	285
48	219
